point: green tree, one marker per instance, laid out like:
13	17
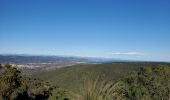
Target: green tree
150	83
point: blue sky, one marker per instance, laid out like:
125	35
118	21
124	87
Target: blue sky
125	29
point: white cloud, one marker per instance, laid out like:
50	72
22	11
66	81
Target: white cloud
128	53
140	56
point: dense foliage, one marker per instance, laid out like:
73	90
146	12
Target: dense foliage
117	81
72	78
150	83
15	87
120	81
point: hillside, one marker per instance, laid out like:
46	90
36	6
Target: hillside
118	81
71	78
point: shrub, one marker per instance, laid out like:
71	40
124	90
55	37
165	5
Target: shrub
150	83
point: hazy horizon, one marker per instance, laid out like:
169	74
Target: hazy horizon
138	30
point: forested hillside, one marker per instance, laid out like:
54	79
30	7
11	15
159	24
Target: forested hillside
115	81
71	78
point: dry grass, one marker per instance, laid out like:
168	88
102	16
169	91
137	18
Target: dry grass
96	89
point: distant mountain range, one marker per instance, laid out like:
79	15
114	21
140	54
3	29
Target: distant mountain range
30	64
25	59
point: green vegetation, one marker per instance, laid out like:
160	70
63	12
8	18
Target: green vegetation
10	83
72	78
116	81
15	87
150	83
95	89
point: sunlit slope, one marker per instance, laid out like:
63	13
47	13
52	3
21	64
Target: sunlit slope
71	78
